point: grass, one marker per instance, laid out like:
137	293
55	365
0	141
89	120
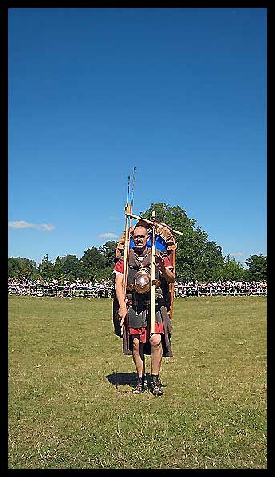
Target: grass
70	399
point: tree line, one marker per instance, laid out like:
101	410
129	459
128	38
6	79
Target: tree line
197	258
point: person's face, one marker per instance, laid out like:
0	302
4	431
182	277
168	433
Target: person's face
140	237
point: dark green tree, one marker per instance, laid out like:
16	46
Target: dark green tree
22	267
257	268
58	270
196	257
232	270
211	261
70	267
93	263
108	251
14	269
46	268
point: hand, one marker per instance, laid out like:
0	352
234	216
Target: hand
159	263
122	312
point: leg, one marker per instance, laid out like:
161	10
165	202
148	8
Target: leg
156	353
138	358
156	358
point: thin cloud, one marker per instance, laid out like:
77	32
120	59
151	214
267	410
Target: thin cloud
21	224
48	227
108	235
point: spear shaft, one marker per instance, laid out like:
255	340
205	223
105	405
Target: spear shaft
153	277
127	211
126	230
128	223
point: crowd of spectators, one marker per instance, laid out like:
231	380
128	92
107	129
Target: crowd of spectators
224	288
54	288
105	288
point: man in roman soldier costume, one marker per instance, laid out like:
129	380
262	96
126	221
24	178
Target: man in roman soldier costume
132	305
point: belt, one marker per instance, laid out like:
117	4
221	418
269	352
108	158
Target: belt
159	302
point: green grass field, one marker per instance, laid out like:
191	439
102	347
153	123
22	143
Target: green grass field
70	388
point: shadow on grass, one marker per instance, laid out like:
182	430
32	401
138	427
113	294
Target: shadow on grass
122	379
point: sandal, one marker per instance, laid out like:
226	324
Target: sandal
141	385
156	386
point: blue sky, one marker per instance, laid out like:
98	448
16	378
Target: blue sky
180	94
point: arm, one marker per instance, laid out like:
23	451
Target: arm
167	272
122	312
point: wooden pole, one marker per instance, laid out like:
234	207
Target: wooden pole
126	251
138	217
128	211
153	277
172	258
128	223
